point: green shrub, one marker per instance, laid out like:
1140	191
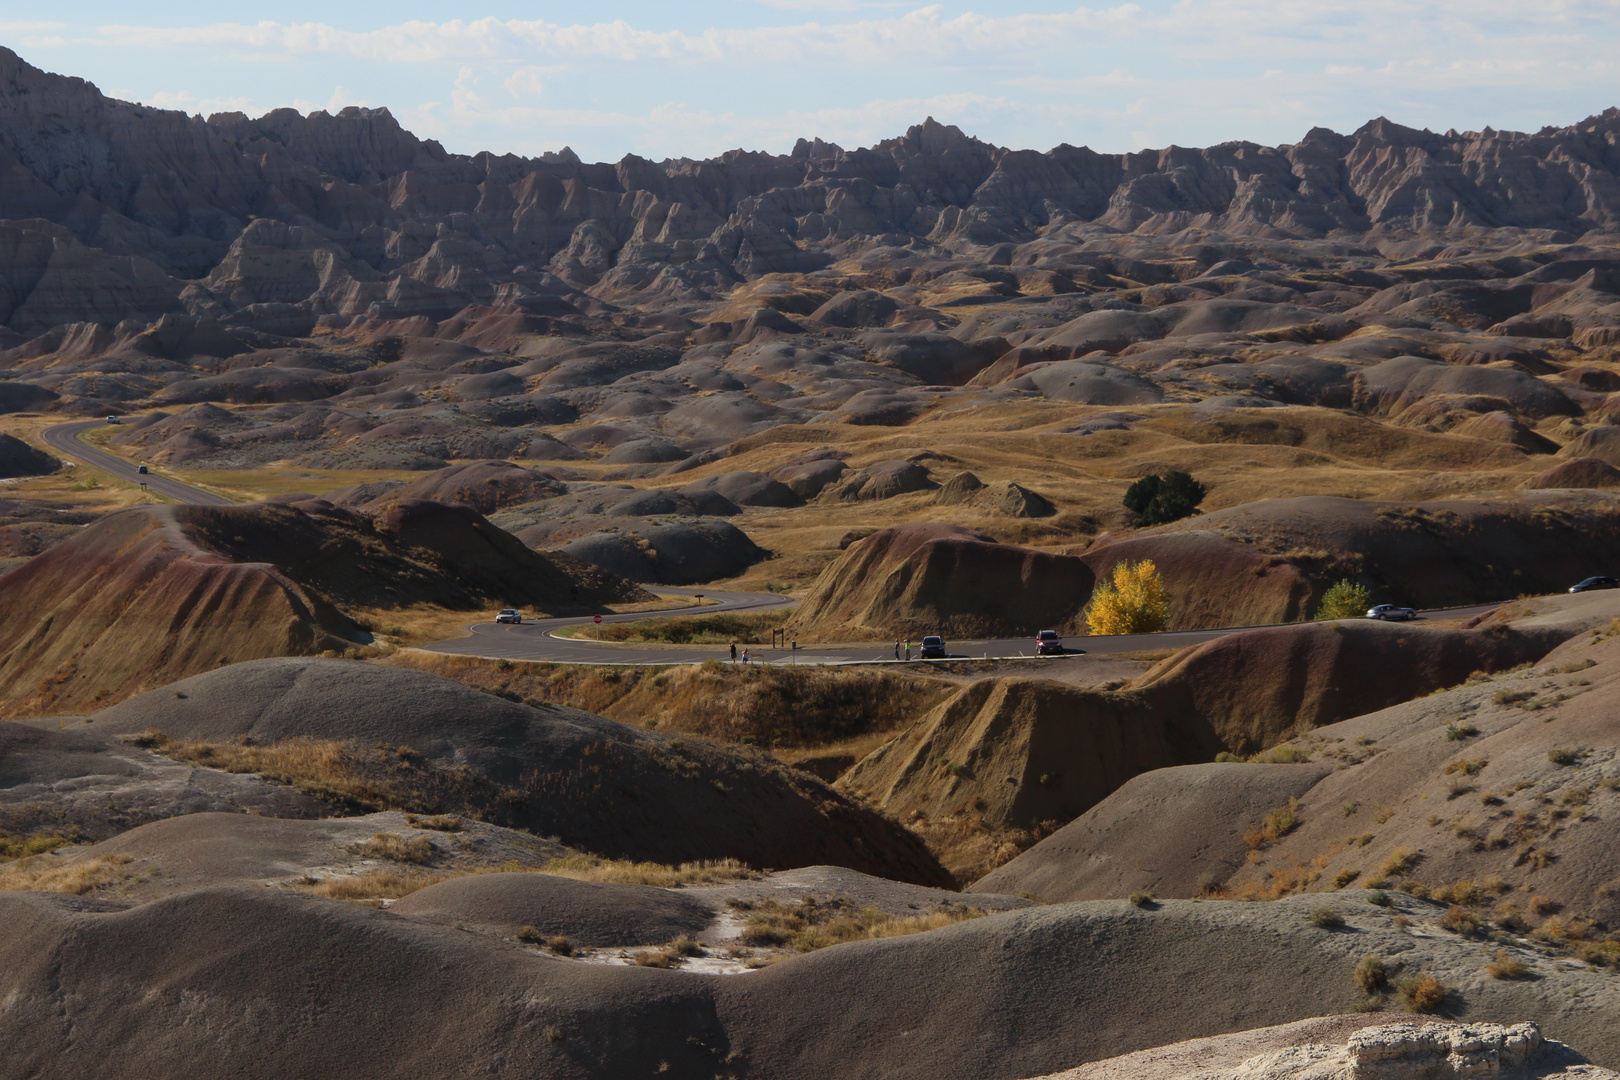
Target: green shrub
1371	975
1326	918
1156	499
1141	899
1344	600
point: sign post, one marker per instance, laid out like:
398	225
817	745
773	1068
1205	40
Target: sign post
596	635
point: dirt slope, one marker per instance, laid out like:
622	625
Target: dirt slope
422	742
1270	561
1509	782
912	580
1007	996
153	594
1026	753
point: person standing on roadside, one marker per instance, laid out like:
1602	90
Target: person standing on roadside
908	649
745	657
897	650
733	652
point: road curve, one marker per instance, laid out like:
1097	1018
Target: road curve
64	438
535	641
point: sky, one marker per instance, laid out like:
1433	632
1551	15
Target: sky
697	78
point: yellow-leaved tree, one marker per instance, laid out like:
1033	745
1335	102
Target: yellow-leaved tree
1134	602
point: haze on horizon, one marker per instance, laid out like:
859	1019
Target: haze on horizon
697	79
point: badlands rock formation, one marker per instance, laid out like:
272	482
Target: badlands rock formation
157	593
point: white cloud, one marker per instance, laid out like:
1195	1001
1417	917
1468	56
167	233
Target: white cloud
1117	75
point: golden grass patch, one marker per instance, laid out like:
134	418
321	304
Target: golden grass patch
43	874
809	925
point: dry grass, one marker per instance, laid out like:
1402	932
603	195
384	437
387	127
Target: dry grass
1400	861
43	874
625	872
1371	975
969	848
392	846
780	708
808	925
1506	966
1326	918
22	847
375	885
391	884
1278	823
326	770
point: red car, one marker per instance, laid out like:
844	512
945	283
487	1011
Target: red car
1048	643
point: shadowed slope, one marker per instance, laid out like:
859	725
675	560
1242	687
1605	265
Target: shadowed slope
409	740
1504	780
1025	753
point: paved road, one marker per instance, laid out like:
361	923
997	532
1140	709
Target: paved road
534	640
65	439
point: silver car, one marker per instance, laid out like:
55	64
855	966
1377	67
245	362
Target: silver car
509	615
1391	612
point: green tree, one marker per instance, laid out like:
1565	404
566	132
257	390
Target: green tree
1344	600
1156	499
1134	602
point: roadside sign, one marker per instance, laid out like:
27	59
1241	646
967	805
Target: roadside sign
599	618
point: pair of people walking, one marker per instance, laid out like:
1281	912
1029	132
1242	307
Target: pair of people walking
734	653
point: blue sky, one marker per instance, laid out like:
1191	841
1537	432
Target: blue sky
696	79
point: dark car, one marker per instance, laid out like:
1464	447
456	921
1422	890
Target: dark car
142	470
1392	612
933	647
1596	583
1048	643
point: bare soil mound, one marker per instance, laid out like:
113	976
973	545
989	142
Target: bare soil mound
1122	846
1007	996
1581	472
153	594
486	486
940	579
1028	754
588	913
207	849
17	458
62	783
1271	561
597	785
678	552
1502	784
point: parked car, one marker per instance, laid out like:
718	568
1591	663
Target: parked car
1596	583
509	615
933	647
1048	643
142	470
1392	612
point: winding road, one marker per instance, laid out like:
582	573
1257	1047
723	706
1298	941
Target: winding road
64	438
536	640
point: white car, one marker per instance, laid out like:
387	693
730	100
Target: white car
1392	612
509	615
